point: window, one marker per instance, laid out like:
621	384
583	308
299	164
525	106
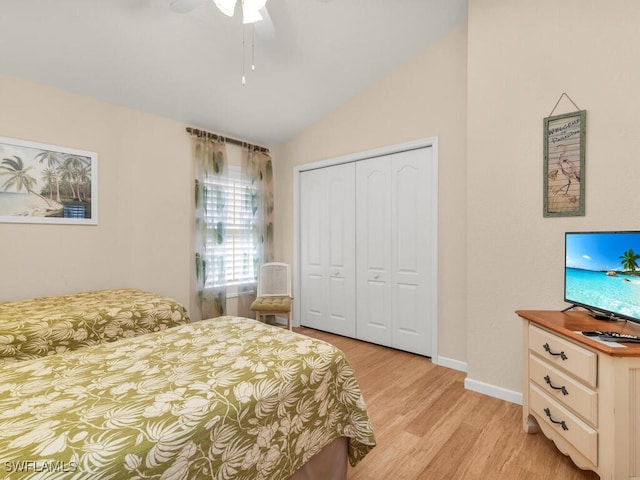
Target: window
228	210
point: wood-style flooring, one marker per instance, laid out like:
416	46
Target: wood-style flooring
428	426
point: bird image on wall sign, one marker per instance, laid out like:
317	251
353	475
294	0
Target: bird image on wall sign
568	169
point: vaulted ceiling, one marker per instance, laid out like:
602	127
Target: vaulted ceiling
188	66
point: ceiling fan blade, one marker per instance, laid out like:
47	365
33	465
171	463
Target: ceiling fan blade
184	6
264	28
228	7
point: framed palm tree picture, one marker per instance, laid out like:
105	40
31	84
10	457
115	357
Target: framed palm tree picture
564	173
42	183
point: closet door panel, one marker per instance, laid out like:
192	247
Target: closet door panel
341	309
411	242
373	222
340	240
312	225
374	322
327	249
375	213
312	253
314	305
407	311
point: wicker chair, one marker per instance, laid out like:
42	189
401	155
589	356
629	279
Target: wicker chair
274	291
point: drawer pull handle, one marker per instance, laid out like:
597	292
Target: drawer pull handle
562	388
562	423
563	356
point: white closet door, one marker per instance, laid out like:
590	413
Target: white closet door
328	249
411	247
374	272
367	265
312	250
341	242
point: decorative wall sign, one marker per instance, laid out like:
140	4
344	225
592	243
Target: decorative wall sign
47	184
564	153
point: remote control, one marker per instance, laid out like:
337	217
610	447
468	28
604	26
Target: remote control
618	337
592	334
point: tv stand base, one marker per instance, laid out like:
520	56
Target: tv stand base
570	307
593	313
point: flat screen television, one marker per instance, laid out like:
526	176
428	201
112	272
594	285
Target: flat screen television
602	273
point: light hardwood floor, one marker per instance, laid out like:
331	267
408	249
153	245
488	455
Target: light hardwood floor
428	426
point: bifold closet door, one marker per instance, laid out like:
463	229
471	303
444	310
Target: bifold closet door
373	255
327	249
412	237
394	244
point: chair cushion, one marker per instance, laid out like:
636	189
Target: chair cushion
271	304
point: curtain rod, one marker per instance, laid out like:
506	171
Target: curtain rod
202	133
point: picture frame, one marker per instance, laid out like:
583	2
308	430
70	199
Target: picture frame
42	183
564	164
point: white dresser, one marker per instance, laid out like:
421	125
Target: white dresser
583	394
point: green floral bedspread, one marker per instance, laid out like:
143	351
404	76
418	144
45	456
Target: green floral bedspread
44	326
226	398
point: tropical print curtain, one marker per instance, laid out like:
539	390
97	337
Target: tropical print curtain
257	170
219	215
210	217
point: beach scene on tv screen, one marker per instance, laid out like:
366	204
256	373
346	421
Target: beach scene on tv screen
602	270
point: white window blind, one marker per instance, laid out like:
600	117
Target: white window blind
238	248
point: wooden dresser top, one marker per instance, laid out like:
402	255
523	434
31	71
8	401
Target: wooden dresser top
571	323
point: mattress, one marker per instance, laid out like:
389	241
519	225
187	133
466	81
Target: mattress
44	326
227	398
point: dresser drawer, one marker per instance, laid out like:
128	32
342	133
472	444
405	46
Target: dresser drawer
565	389
564	423
567	356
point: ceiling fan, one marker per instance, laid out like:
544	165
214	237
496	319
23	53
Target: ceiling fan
253	12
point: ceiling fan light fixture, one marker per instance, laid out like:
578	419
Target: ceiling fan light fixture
254	4
226	6
251	10
250	16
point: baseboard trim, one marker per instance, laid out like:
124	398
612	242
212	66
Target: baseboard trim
451	363
493	391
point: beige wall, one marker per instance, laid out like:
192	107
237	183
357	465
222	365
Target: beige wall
143	236
522	56
497	252
423	98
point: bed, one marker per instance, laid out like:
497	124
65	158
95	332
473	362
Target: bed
48	325
227	398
